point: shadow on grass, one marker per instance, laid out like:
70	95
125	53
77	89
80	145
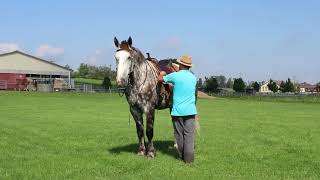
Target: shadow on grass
165	147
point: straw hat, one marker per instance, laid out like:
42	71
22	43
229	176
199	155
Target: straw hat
185	60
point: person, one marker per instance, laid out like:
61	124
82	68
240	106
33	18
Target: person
184	108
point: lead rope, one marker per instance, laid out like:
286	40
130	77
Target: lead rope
129	118
154	72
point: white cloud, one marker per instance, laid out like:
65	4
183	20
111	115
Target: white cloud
47	51
101	56
8	47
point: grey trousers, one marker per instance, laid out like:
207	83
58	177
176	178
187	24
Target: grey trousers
184	134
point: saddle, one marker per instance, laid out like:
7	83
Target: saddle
164	90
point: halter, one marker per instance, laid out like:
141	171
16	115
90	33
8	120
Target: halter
123	90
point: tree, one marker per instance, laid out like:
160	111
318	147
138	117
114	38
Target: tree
288	86
199	85
106	83
67	66
229	83
95	72
221	81
239	85
211	84
83	70
282	86
272	85
256	86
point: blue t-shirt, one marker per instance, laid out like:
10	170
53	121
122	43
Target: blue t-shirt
184	88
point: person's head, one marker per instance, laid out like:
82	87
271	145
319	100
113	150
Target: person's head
183	67
185	62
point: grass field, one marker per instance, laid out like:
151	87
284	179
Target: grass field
315	98
90	81
88	136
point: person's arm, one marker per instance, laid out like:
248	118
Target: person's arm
196	94
160	78
170	78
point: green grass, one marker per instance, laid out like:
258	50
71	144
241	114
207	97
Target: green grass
91	81
271	98
87	136
88	81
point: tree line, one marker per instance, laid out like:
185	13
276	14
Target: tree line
286	86
102	72
215	84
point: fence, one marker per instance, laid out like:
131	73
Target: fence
93	88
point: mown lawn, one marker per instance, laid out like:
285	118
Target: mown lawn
97	82
88	81
88	136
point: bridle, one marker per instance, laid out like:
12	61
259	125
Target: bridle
122	91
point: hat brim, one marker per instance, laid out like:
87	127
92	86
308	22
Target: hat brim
185	64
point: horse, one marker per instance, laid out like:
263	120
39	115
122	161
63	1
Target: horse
139	78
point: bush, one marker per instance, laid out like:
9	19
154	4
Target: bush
106	83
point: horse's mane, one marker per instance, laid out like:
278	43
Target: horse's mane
137	53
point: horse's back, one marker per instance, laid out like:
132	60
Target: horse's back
164	91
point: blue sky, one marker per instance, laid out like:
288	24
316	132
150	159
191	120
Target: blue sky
256	39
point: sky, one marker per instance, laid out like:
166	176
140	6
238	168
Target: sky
252	39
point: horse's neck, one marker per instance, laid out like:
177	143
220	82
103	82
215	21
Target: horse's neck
140	73
143	76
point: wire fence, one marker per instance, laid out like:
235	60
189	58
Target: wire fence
89	88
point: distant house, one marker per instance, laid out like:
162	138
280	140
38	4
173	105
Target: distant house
264	87
318	88
307	88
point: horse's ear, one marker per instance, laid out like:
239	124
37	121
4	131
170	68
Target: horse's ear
116	42
130	41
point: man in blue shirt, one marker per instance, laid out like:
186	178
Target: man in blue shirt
184	106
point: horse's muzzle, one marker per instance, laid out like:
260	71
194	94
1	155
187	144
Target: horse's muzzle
121	83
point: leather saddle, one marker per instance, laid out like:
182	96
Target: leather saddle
164	90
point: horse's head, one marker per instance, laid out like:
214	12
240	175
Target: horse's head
124	58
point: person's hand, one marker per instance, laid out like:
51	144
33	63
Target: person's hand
170	84
163	73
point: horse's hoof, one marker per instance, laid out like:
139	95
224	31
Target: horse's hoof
141	153
151	155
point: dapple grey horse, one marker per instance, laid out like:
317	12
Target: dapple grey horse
139	77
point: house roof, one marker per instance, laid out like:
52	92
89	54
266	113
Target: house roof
307	85
34	57
278	82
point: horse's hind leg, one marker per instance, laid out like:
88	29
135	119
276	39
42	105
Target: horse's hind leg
151	152
137	116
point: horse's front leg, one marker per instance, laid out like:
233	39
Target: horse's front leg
137	116
151	152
